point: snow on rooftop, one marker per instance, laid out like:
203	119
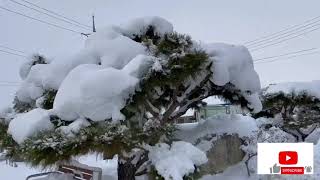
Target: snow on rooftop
311	87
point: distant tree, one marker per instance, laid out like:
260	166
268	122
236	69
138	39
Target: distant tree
299	111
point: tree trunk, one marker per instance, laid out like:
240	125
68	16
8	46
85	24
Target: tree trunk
126	171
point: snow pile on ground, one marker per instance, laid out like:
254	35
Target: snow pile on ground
26	125
312	88
20	172
176	161
244	126
234	64
108	166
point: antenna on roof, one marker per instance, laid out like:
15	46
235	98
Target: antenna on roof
93	24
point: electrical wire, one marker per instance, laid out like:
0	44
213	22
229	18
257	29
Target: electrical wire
39	20
52	16
52	12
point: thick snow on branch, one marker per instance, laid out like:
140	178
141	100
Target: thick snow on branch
312	88
94	92
109	47
176	161
139	26
234	64
25	125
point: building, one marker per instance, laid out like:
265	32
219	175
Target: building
208	111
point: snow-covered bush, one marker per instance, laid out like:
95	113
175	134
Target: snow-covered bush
123	91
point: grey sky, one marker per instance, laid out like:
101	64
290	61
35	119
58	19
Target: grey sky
208	21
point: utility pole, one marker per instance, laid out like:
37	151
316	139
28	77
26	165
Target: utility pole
93	24
93	28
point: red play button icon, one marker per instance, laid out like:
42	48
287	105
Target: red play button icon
288	157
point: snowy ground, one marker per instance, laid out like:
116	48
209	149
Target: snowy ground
16	173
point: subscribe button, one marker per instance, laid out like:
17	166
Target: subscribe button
285	158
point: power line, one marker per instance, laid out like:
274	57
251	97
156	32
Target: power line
15	54
61	19
10	82
299	35
281	31
286	54
51	24
2	46
8	85
290	57
286	35
52	12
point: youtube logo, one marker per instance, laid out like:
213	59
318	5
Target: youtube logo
288	157
285	158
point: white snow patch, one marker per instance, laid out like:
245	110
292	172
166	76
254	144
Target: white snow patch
7	114
108	166
219	125
311	87
139	26
93	92
234	64
139	65
16	173
112	48
28	124
177	161
74	127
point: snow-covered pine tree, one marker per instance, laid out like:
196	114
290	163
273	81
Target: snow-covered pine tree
121	94
296	104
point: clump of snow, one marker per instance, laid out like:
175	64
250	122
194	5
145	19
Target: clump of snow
7	114
74	127
27	124
139	65
94	92
233	64
312	88
139	26
176	161
112	48
214	100
244	126
25	68
262	121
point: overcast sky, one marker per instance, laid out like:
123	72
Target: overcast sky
229	21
